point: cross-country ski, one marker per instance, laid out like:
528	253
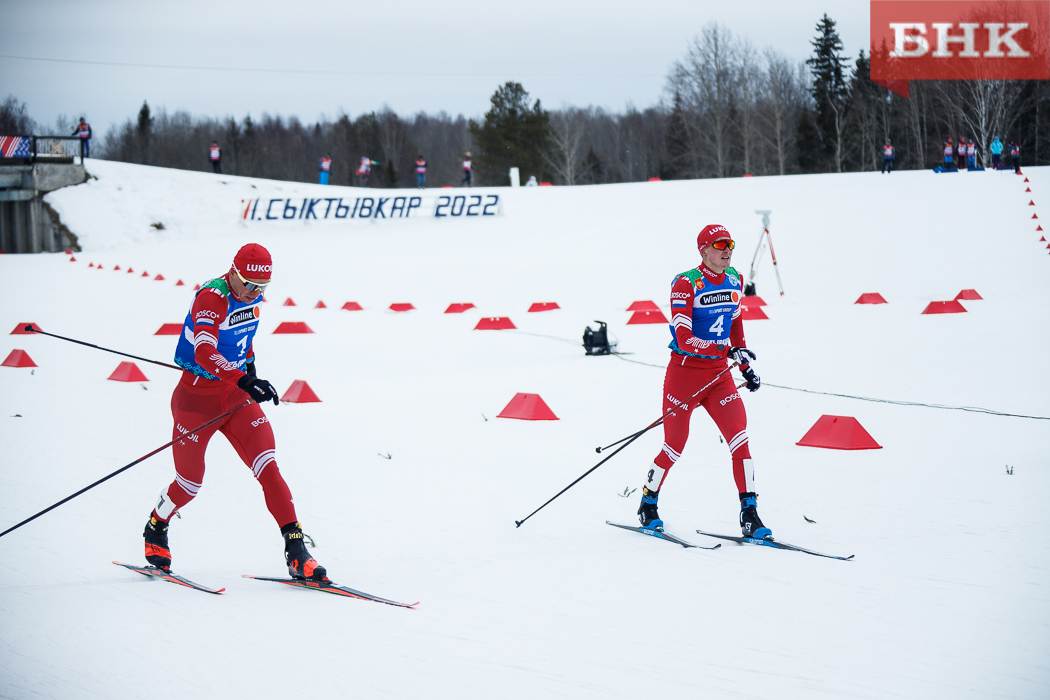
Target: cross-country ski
774	544
661	535
329	587
168	576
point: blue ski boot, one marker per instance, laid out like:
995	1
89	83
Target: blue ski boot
647	514
750	524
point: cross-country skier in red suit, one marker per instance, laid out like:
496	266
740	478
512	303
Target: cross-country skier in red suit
216	353
706	332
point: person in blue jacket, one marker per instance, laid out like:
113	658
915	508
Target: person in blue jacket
997	151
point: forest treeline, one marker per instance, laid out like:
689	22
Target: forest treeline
729	109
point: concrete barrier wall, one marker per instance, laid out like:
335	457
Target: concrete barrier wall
27	223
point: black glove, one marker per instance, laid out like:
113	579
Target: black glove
259	390
753	380
249	367
741	355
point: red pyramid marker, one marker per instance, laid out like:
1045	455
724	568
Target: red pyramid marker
91	264
870	298
1038	228
130	270
1027	189
116	267
752	301
73	259
753	313
20	329
495	323
292	327
352	306
127	372
968	295
1026	179
320	305
1042	239
839	433
1031	203
944	307
1035	216
288	302
527	407
300	392
158	278
644	317
99	267
458	308
69	251
18	358
543	306
643	306
400	308
169	329
180	283
145	274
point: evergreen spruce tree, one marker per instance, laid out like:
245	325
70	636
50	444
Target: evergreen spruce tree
829	88
809	144
144	133
512	135
676	141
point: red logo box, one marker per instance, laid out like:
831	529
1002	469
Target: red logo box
966	40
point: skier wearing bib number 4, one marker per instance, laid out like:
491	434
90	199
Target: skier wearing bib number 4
706	331
215	351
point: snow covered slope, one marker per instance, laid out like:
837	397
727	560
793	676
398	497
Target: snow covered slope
948	596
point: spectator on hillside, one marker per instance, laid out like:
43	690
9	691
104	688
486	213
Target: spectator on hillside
421	172
887	157
960	151
971	154
364	170
997	149
532	182
83	132
325	166
1015	156
949	149
467	177
215	155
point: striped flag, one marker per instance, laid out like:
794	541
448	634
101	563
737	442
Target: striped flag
14	146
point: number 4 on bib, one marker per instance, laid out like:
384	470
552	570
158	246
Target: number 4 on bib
717	326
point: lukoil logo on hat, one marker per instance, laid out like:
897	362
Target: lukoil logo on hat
254	262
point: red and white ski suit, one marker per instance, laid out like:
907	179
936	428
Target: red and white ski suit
197	400
687	374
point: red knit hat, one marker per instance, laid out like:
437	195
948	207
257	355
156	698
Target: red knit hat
253	262
710	234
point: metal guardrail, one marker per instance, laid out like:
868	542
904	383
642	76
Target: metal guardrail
56	149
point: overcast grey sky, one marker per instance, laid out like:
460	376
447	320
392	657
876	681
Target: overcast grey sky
413	55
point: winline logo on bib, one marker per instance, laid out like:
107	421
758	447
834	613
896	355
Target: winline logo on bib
965	40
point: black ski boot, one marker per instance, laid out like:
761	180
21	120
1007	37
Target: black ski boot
750	524
300	563
647	514
156	535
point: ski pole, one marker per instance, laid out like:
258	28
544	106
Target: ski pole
214	420
29	329
669	411
630	439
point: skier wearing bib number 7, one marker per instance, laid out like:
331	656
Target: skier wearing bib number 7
216	353
706	331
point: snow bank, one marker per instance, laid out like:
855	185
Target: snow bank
946	598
